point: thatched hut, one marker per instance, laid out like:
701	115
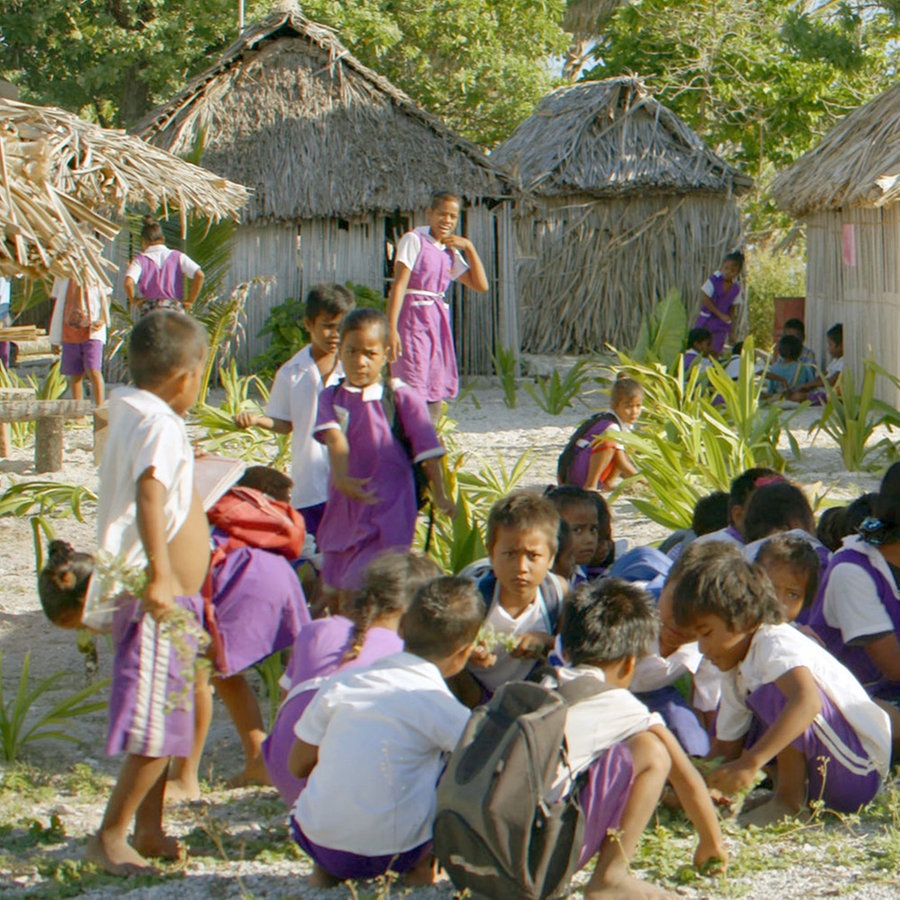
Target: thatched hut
847	191
340	162
627	203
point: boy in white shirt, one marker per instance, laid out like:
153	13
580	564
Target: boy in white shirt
829	740
372	743
294	400
626	751
150	516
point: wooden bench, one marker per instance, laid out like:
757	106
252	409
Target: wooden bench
20	405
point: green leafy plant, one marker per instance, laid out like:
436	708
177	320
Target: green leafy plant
493	481
506	367
286	335
51	388
270	671
661	333
21	725
555	394
850	418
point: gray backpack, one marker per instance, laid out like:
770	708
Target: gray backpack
495	831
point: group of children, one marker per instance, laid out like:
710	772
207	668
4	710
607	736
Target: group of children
380	691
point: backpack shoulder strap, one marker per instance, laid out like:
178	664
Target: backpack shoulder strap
487	584
389	402
553	594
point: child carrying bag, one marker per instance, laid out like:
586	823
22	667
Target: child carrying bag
495	831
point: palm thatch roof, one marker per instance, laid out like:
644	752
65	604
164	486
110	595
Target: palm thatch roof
856	164
290	112
608	138
61	177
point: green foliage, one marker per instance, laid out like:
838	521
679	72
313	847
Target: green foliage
662	332
270	671
506	367
688	445
851	418
21	724
51	388
367	297
223	436
770	274
555	394
286	333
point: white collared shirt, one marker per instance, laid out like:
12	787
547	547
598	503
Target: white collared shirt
410	246
382	733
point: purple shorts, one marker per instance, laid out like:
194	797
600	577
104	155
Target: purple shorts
345	865
151	705
829	775
80	358
604	796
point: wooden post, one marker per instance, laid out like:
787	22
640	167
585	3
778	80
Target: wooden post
48	444
11	394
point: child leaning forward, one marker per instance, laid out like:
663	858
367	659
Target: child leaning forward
783	697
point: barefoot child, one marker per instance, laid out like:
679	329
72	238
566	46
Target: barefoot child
593	459
294	400
783	698
371	491
333	644
524	599
150	515
371	745
420	345
719	297
627	751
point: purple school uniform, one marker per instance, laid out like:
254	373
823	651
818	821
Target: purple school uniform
318	652
723	300
855	658
604	796
428	360
352	533
147	677
161	287
259	605
587	445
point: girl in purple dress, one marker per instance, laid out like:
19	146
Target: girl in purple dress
719	297
338	643
421	337
371	503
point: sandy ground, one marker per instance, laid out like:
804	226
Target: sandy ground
251	818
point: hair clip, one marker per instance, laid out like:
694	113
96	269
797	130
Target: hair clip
876	532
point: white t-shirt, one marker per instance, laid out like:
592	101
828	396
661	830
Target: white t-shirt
96	304
5	295
654	672
834	367
382	733
851	602
594	725
410	246
144	432
776	650
295	398
534	617
158	253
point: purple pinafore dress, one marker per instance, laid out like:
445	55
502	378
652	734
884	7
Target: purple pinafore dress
723	300
428	360
161	287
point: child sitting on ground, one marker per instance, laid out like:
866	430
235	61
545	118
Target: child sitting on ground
793	700
150	516
741	489
593	459
625	749
294	400
523	598
814	390
371	745
699	350
797	329
788	372
338	643
371	491
793	568
578	509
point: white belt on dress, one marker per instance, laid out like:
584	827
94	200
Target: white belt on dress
433	295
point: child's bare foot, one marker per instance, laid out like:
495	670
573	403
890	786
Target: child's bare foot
116	856
159	845
626	887
182	790
773	810
254	773
421	875
322	878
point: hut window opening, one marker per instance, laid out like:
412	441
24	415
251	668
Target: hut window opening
343	225
395	226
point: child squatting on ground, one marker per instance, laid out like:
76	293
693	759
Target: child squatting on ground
150	515
627	751
784	697
371	492
371	745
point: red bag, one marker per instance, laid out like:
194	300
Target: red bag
251	518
